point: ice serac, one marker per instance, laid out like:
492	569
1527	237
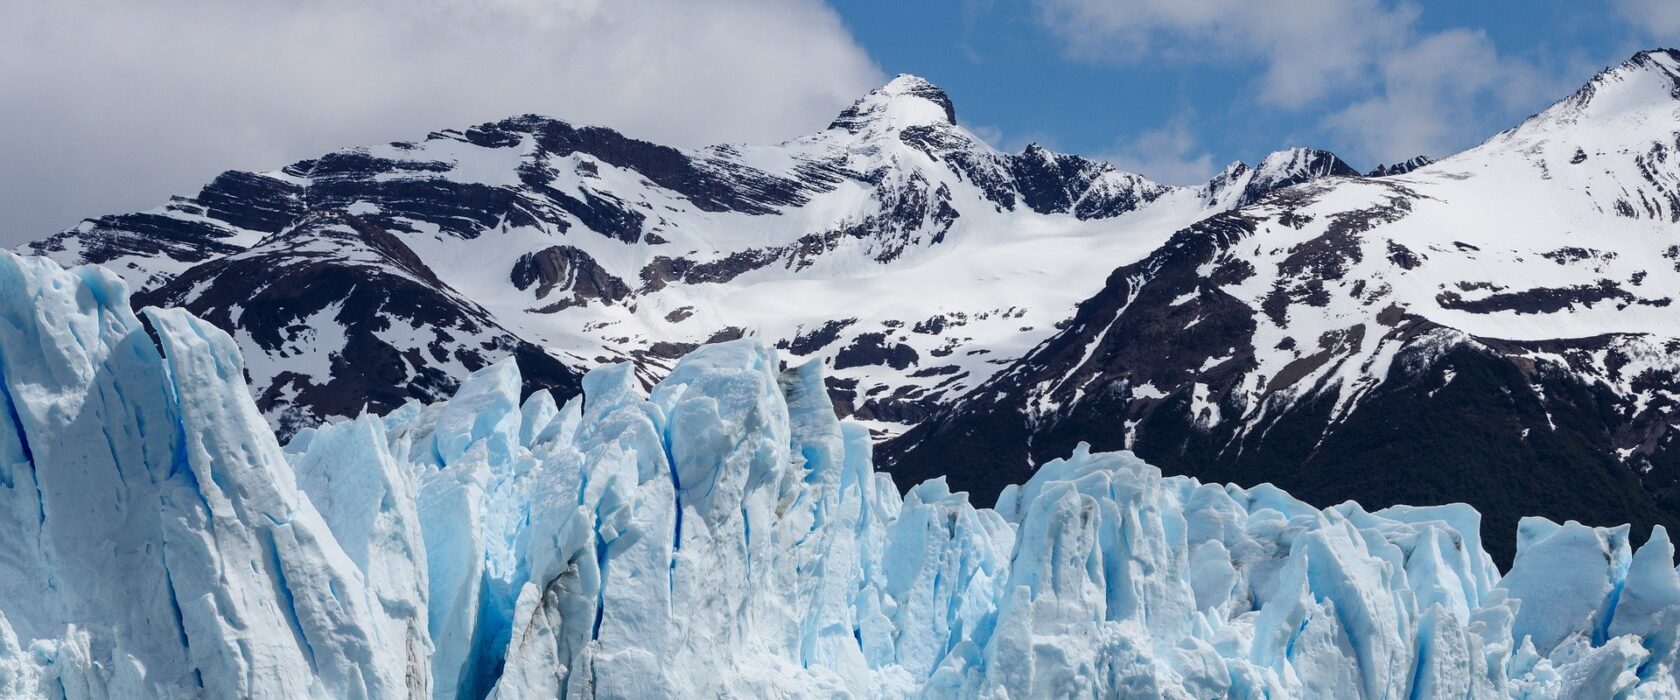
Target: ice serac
721	535
300	611
160	543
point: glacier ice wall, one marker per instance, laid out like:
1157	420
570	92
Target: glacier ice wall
724	535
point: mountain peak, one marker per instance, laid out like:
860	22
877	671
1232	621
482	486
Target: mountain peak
1666	61
1658	68
1646	80
1238	185
905	101
1295	165
917	87
1401	167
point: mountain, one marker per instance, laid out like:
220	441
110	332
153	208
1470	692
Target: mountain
1400	168
1497	327
342	315
895	245
722	536
1239	186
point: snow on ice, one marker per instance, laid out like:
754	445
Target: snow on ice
724	536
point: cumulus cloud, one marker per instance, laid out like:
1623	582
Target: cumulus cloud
1307	48
1656	18
1362	69
1431	89
1168	154
1012	141
112	105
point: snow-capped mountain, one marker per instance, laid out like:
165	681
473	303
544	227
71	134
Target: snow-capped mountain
1506	311
895	245
1497	327
722	536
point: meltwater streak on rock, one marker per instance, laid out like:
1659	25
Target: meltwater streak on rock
726	536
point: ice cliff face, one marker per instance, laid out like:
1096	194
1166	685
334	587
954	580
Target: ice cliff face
724	536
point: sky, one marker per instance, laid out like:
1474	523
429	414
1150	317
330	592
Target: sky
1177	89
111	105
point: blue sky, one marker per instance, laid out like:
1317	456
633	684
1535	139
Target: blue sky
1177	95
114	105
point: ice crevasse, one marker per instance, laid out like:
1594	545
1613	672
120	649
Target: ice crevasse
721	535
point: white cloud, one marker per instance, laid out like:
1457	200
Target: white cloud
1167	154
1011	141
1657	18
1307	48
988	133
1431	91
111	105
1363	70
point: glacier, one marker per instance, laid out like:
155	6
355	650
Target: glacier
723	534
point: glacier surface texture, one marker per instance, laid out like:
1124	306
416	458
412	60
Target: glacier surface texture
723	536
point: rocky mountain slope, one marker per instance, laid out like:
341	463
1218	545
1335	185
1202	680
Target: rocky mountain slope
721	536
912	257
1498	327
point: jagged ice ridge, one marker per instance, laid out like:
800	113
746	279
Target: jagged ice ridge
726	535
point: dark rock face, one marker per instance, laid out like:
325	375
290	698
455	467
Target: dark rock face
1400	168
1055	183
1481	437
1238	185
269	257
996	430
465	209
252	201
1049	182
110	238
1293	167
816	339
571	270
186	231
716	184
1234	176
1541	300
349	320
875	349
1164	362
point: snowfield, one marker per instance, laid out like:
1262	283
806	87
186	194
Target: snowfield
724	535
